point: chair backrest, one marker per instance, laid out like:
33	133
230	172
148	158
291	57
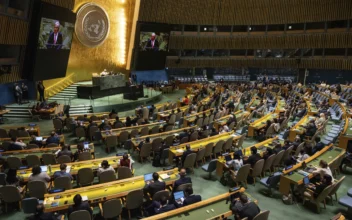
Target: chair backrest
169	128
190	160
29	205
63	182
218	146
241	140
182	187
2	179
14	162
243	172
32	160
200	122
13	133
264	215
286	154
228	144
145	131
336	186
146	150
64	159
79	215
269	162
6	145
10	194
32	146
145	113
156	144
155	130
270	131
51	145
107	176
184	140
80	132
124	173
324	194
57	124
84	156
278	158
172	119
22	133
208	149
158	195
37	189
200	154
111	141
112	208
134	133
258	168
212	165
169	140
206	120
299	148
49	159
134	199
123	136
85	176
3	133
118	125
193	136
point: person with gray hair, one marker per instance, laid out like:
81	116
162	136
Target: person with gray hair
55	39
152	44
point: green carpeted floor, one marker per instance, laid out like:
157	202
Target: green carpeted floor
208	189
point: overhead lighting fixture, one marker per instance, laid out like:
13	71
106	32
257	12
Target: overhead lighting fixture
290	27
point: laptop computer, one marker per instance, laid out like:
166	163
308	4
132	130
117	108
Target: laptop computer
179	197
44	168
86	145
39	138
148	177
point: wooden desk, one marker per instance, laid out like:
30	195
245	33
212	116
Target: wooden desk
212	208
298	129
22	154
100	115
260	123
117	131
191	119
165	114
261	146
177	151
296	178
162	135
101	192
32	130
253	104
75	166
26	140
223	120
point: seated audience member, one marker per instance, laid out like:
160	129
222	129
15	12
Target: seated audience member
183	179
12	179
286	145
186	153
128	122
62	172
269	151
140	145
347	160
53	138
79	205
183	134
38	175
16	144
243	208
105	166
41	215
213	132
163	206
34	141
253	158
190	198
65	151
276	125
185	101
322	170
80	149
154	186
314	190
237	162
296	142
125	161
278	148
302	156
318	146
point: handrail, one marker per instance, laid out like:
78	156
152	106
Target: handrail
60	85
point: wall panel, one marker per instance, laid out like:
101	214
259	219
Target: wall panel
239	12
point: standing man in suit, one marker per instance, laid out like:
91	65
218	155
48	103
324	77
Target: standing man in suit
183	179
152	44
55	38
41	89
18	94
190	198
154	186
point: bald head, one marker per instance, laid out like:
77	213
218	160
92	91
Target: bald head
183	172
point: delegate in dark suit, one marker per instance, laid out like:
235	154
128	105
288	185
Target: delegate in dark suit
82	206
154	187
150	47
181	181
51	44
192	199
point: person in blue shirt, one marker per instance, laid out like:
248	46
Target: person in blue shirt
62	172
53	138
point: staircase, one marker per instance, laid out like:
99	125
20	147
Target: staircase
81	109
67	94
18	111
